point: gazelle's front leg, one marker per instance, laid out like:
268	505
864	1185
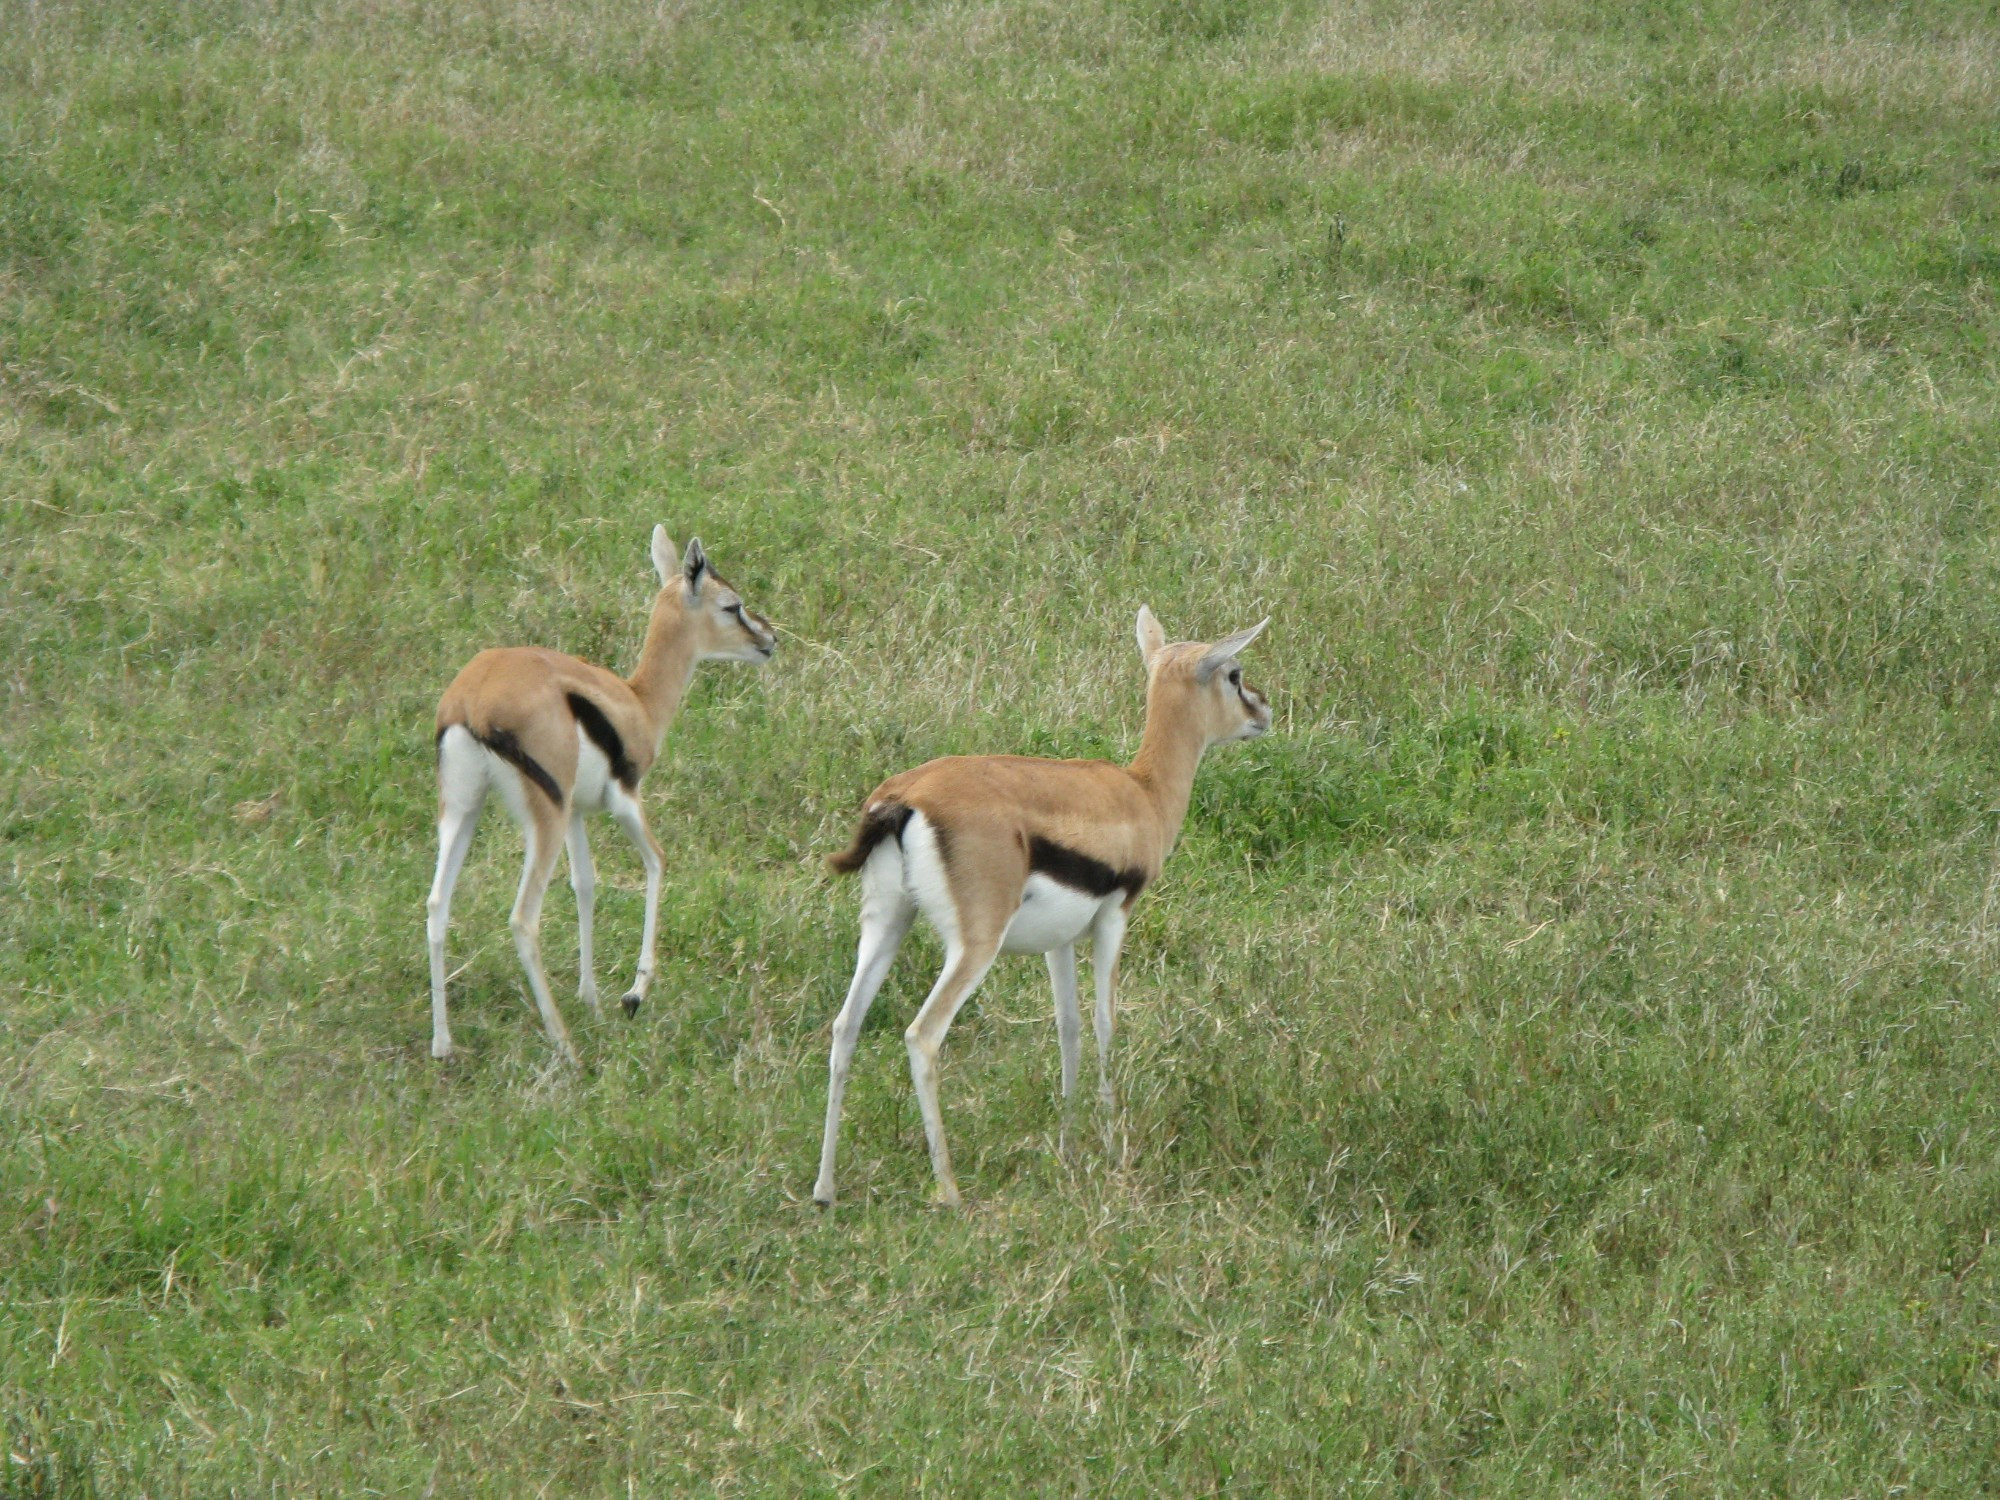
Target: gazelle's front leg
965	965
583	880
1107	937
632	818
1069	1031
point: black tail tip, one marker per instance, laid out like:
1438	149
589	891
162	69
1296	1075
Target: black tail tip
883	820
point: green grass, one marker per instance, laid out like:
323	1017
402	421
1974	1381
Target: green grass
1557	1062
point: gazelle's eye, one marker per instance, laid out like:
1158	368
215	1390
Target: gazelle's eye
1236	677
734	609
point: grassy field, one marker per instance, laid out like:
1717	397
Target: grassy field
1559	1061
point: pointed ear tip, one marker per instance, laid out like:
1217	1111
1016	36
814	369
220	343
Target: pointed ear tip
1151	637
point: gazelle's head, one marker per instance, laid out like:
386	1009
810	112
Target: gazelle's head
1204	682
720	625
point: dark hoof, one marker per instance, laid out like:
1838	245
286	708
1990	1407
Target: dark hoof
631	1003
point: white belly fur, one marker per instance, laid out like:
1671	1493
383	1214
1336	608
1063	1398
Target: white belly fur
593	775
1053	915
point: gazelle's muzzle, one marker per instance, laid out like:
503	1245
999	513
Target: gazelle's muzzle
1260	714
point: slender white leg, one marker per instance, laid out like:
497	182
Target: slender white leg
583	880
544	846
1069	1029
455	825
1107	937
632	818
965	965
886	915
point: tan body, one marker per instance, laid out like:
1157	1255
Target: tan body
525	689
560	738
996	805
1007	853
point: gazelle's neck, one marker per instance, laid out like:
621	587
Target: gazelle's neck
666	667
1170	751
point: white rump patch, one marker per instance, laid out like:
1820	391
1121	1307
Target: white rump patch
924	877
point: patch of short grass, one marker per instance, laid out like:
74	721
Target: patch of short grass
1554	1063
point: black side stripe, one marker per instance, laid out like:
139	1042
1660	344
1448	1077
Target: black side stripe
602	735
503	744
1078	871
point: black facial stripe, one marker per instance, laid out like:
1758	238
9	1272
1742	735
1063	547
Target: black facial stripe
606	738
1079	871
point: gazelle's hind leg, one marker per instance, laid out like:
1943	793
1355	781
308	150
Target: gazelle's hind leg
632	818
971	918
886	914
544	831
461	793
965	965
583	880
1069	1031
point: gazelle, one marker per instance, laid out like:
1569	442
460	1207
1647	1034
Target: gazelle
1006	853
561	738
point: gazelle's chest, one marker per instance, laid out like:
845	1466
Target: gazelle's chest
1053	915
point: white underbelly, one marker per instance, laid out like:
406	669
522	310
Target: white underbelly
593	775
1052	915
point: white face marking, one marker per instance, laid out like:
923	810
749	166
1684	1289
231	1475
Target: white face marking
751	636
1247	702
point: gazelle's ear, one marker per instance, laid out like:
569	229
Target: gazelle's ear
663	555
1213	658
1151	637
694	563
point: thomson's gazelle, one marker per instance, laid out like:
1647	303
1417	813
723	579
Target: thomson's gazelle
1004	853
561	738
